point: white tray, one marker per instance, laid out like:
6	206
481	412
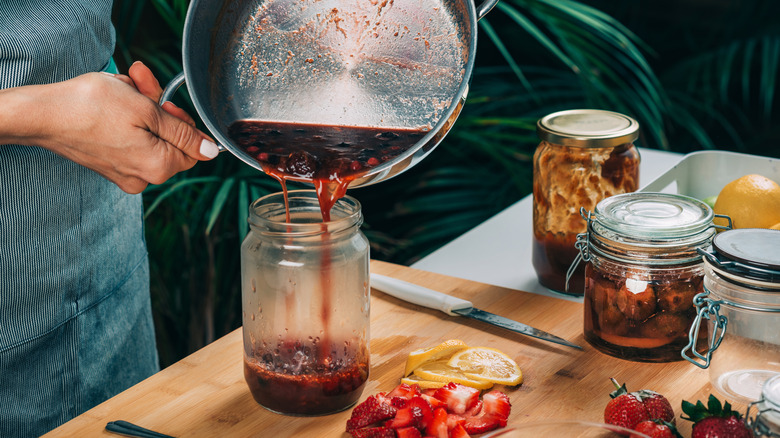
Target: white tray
703	174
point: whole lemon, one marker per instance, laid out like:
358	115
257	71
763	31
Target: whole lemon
752	201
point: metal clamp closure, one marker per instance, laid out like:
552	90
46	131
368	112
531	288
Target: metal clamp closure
706	308
722	227
759	428
582	244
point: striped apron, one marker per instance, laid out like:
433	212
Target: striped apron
75	311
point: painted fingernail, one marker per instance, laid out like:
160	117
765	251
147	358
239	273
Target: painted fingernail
208	148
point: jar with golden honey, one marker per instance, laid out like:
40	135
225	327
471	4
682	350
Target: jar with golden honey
585	156
643	271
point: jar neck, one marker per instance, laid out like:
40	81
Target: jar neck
657	252
750	295
268	215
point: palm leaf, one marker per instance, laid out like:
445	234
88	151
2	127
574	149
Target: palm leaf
220	200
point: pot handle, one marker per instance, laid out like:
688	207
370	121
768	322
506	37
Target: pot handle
485	7
171	89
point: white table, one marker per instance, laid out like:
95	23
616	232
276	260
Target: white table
498	251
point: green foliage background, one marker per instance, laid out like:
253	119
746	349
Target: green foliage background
697	74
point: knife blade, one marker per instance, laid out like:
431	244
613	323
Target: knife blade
454	306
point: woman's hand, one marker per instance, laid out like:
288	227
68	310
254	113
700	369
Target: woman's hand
106	124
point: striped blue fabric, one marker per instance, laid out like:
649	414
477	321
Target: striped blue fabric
75	312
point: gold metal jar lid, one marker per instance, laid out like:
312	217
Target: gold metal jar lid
587	128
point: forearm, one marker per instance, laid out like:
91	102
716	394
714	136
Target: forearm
21	115
104	123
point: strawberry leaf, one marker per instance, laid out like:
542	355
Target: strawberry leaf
714	407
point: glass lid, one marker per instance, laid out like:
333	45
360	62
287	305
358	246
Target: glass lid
749	252
654	216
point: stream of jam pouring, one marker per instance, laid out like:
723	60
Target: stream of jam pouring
329	157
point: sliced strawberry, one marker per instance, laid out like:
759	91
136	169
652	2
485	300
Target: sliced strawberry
438	426
433	401
459	432
494	413
404	391
481	424
496	404
417	413
374	409
454	420
408	432
422	412
403	418
373	432
475	410
459	398
398	402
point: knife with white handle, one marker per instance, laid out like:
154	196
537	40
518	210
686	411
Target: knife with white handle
456	307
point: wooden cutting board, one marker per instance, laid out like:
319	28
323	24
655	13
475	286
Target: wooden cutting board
204	395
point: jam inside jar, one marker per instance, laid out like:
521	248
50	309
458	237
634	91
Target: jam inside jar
306	304
585	156
640	313
643	271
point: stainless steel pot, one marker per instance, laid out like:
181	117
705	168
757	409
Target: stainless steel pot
372	63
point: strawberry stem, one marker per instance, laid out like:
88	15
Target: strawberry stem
619	389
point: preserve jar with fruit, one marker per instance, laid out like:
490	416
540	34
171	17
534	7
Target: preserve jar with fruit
584	156
741	306
305	295
642	272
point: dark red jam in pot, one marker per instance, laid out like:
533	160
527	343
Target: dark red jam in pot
308	151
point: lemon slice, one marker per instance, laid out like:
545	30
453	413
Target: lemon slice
423	384
441	372
485	363
441	351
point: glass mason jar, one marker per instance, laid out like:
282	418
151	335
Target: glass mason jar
643	270
584	156
766	422
305	296
741	304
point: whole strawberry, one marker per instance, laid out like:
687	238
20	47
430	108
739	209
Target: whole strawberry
629	409
657	429
715	420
